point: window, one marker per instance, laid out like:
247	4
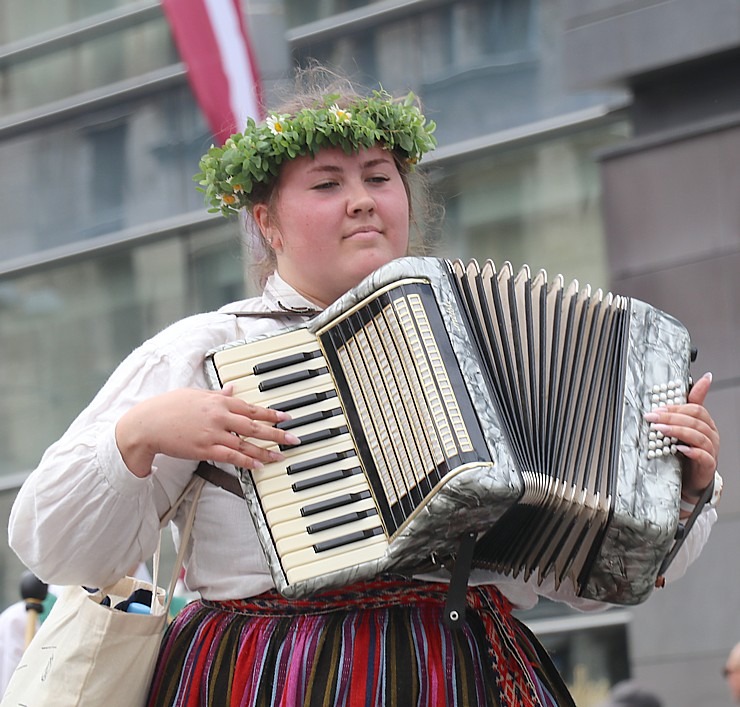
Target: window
119	168
300	12
64	329
58	66
20	19
430	43
536	204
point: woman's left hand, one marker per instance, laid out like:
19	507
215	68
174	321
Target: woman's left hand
698	438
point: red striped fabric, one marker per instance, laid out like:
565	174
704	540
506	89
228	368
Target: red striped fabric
379	643
212	40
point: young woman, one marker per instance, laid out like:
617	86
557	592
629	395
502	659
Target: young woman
326	182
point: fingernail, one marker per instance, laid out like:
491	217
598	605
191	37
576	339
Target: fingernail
652	416
291	439
708	375
282	416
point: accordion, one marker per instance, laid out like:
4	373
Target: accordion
439	399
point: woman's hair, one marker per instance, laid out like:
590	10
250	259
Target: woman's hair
309	88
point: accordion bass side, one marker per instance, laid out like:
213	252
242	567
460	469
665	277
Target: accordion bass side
438	399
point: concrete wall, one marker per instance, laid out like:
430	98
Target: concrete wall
673	227
608	40
671	201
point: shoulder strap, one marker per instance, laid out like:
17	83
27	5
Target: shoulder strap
303	312
272	314
220	478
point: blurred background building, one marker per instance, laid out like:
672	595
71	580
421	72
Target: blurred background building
599	139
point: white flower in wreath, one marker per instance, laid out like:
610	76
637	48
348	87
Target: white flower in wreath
276	124
340	115
228	200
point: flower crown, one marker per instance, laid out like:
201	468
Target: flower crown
230	173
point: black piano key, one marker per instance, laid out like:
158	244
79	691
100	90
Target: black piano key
340	520
317	416
336	502
316	462
291	378
284	362
303	400
318	436
325	478
348	539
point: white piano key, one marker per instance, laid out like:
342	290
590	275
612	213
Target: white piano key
324	411
270	347
300	454
299	525
245	367
304	410
299	566
284	482
304	540
289	498
246	388
334	422
281	513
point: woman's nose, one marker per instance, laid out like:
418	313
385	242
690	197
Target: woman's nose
360	200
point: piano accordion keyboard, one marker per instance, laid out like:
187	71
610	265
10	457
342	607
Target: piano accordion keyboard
317	501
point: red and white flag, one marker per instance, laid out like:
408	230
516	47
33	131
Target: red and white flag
211	37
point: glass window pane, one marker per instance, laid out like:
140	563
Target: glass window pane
121	168
63	330
536	205
92	64
300	12
20	19
480	66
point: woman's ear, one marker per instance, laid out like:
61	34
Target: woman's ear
269	230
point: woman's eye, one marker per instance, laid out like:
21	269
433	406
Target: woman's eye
325	185
378	179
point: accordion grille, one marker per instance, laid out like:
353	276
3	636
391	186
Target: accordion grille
398	386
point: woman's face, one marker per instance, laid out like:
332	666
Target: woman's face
337	218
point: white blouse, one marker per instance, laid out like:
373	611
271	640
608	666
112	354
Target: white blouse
83	518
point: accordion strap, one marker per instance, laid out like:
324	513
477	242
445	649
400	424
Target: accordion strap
456	602
278	313
218	477
683	531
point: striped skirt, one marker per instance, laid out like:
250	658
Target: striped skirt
378	643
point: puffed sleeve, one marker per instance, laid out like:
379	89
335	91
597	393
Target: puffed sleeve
82	517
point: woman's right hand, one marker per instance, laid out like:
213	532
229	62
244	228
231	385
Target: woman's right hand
196	424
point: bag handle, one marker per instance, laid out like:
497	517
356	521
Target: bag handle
195	485
205	472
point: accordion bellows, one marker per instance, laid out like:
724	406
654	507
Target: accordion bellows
439	398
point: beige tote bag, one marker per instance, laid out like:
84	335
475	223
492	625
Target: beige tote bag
86	654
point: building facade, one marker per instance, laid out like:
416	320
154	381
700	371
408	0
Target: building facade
591	138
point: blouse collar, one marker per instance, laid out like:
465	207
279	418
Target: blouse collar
279	295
